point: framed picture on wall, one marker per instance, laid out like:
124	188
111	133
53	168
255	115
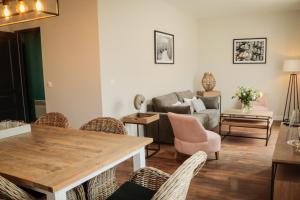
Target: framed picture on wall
250	51
164	48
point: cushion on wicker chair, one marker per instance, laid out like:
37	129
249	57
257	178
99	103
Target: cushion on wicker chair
132	191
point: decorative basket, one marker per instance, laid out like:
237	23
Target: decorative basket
12	128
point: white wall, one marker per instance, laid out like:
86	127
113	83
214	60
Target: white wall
70	51
127	52
283	33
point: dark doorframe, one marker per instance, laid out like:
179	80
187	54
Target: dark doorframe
12	94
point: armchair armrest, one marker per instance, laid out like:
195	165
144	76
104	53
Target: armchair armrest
150	178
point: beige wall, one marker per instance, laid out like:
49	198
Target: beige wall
71	60
283	33
127	52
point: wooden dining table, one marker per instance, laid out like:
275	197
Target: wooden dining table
55	160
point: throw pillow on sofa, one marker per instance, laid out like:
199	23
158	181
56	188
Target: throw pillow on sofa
211	102
189	102
178	103
198	105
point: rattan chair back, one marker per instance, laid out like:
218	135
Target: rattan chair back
176	187
105	124
105	184
8	190
53	119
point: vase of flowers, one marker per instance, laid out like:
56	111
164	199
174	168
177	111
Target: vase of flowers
246	96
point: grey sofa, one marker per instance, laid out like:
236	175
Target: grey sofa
209	118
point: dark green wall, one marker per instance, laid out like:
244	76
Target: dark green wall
32	53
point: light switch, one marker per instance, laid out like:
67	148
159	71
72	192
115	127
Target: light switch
50	85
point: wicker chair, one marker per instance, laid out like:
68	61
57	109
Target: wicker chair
53	119
170	187
59	120
102	186
9	191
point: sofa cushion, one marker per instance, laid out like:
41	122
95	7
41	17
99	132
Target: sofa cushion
209	118
132	191
211	102
202	118
163	101
184	94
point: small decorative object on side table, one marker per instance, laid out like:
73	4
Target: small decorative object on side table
144	119
208	81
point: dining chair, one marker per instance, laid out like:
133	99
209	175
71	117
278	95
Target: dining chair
9	191
104	184
59	120
53	119
190	136
153	184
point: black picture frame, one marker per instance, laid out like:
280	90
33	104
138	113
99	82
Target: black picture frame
250	50
163	48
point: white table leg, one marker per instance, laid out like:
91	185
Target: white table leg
139	160
60	195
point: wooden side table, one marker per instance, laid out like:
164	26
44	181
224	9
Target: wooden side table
144	119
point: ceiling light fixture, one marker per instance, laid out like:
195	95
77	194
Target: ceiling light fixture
38	5
21	7
5	11
17	11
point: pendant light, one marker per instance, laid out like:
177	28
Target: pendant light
18	11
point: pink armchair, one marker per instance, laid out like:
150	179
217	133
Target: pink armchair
190	136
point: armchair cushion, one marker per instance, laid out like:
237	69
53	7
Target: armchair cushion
211	102
132	191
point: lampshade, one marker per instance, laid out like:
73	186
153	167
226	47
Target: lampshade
17	11
291	66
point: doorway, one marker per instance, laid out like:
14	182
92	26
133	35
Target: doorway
31	55
22	94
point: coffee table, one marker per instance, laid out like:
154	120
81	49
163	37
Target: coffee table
251	119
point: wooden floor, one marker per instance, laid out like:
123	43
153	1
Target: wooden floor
242	172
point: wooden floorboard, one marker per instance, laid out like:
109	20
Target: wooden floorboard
242	172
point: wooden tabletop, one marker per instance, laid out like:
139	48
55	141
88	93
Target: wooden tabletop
284	153
252	113
52	158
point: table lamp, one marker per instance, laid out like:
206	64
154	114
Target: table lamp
292	97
